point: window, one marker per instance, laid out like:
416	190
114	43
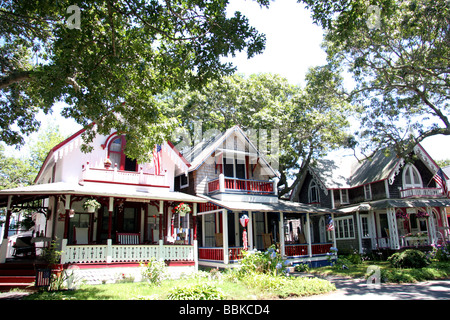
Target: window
184	181
117	156
367	192
365	226
411	177
313	192
234	167
344	228
344	196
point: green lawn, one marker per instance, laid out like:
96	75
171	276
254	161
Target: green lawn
254	287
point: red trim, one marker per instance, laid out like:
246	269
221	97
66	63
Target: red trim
178	153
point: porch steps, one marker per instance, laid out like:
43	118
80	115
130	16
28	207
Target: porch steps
17	275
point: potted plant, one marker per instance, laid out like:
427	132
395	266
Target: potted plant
91	205
182	209
107	163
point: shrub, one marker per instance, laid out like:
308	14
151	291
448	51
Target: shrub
268	262
154	271
410	258
440	253
203	291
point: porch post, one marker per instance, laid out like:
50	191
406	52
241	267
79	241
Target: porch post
358	225
373	231
250	230
333	232
308	223
431	226
4	245
281	231
161	231
392	225
194	222
66	218
225	236
109	240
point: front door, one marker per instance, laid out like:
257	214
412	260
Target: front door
124	219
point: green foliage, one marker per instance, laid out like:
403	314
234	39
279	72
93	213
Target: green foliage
409	258
399	67
440	253
109	70
202	291
268	262
154	271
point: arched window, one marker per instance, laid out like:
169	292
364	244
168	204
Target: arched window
117	156
411	177
313	192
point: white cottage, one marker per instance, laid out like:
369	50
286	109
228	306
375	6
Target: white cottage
134	219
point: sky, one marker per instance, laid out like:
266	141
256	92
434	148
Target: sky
293	44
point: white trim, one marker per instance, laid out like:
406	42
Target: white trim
346	232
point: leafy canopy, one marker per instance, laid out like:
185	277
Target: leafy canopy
110	66
398	53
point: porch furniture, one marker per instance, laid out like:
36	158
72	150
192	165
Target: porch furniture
24	246
80	235
128	238
267	240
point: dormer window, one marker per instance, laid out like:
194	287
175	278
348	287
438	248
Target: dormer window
117	156
313	192
411	177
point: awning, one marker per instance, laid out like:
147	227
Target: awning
280	206
97	189
396	203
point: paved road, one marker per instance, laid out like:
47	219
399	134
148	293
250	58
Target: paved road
358	289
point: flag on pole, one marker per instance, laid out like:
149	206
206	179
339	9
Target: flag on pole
439	177
330	224
157	159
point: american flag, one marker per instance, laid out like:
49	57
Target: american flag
157	159
330	224
439	177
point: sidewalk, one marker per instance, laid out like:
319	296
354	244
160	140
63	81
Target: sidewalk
358	289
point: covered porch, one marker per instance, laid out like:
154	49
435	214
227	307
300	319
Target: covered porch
401	223
298	231
126	226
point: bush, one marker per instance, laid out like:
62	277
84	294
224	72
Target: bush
440	253
268	262
154	271
202	291
410	258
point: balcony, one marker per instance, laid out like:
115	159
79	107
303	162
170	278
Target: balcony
234	189
116	176
421	193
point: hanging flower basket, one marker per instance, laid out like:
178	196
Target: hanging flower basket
91	205
402	215
422	214
182	209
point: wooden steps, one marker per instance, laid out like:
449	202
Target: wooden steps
17	275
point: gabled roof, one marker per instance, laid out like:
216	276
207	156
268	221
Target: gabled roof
198	154
347	172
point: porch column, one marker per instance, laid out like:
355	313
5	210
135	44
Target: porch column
358	226
308	223
373	231
225	236
194	223
109	240
333	232
161	231
431	226
281	231
250	230
392	225
67	218
4	245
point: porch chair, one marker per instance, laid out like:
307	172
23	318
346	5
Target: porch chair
128	238
219	239
80	235
267	240
24	246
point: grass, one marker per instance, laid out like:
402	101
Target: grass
435	271
252	287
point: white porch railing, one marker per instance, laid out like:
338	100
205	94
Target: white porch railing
125	177
125	253
421	192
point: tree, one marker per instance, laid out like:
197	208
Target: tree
308	121
108	59
399	55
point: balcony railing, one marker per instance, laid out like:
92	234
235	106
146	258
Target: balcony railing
123	177
223	184
421	192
